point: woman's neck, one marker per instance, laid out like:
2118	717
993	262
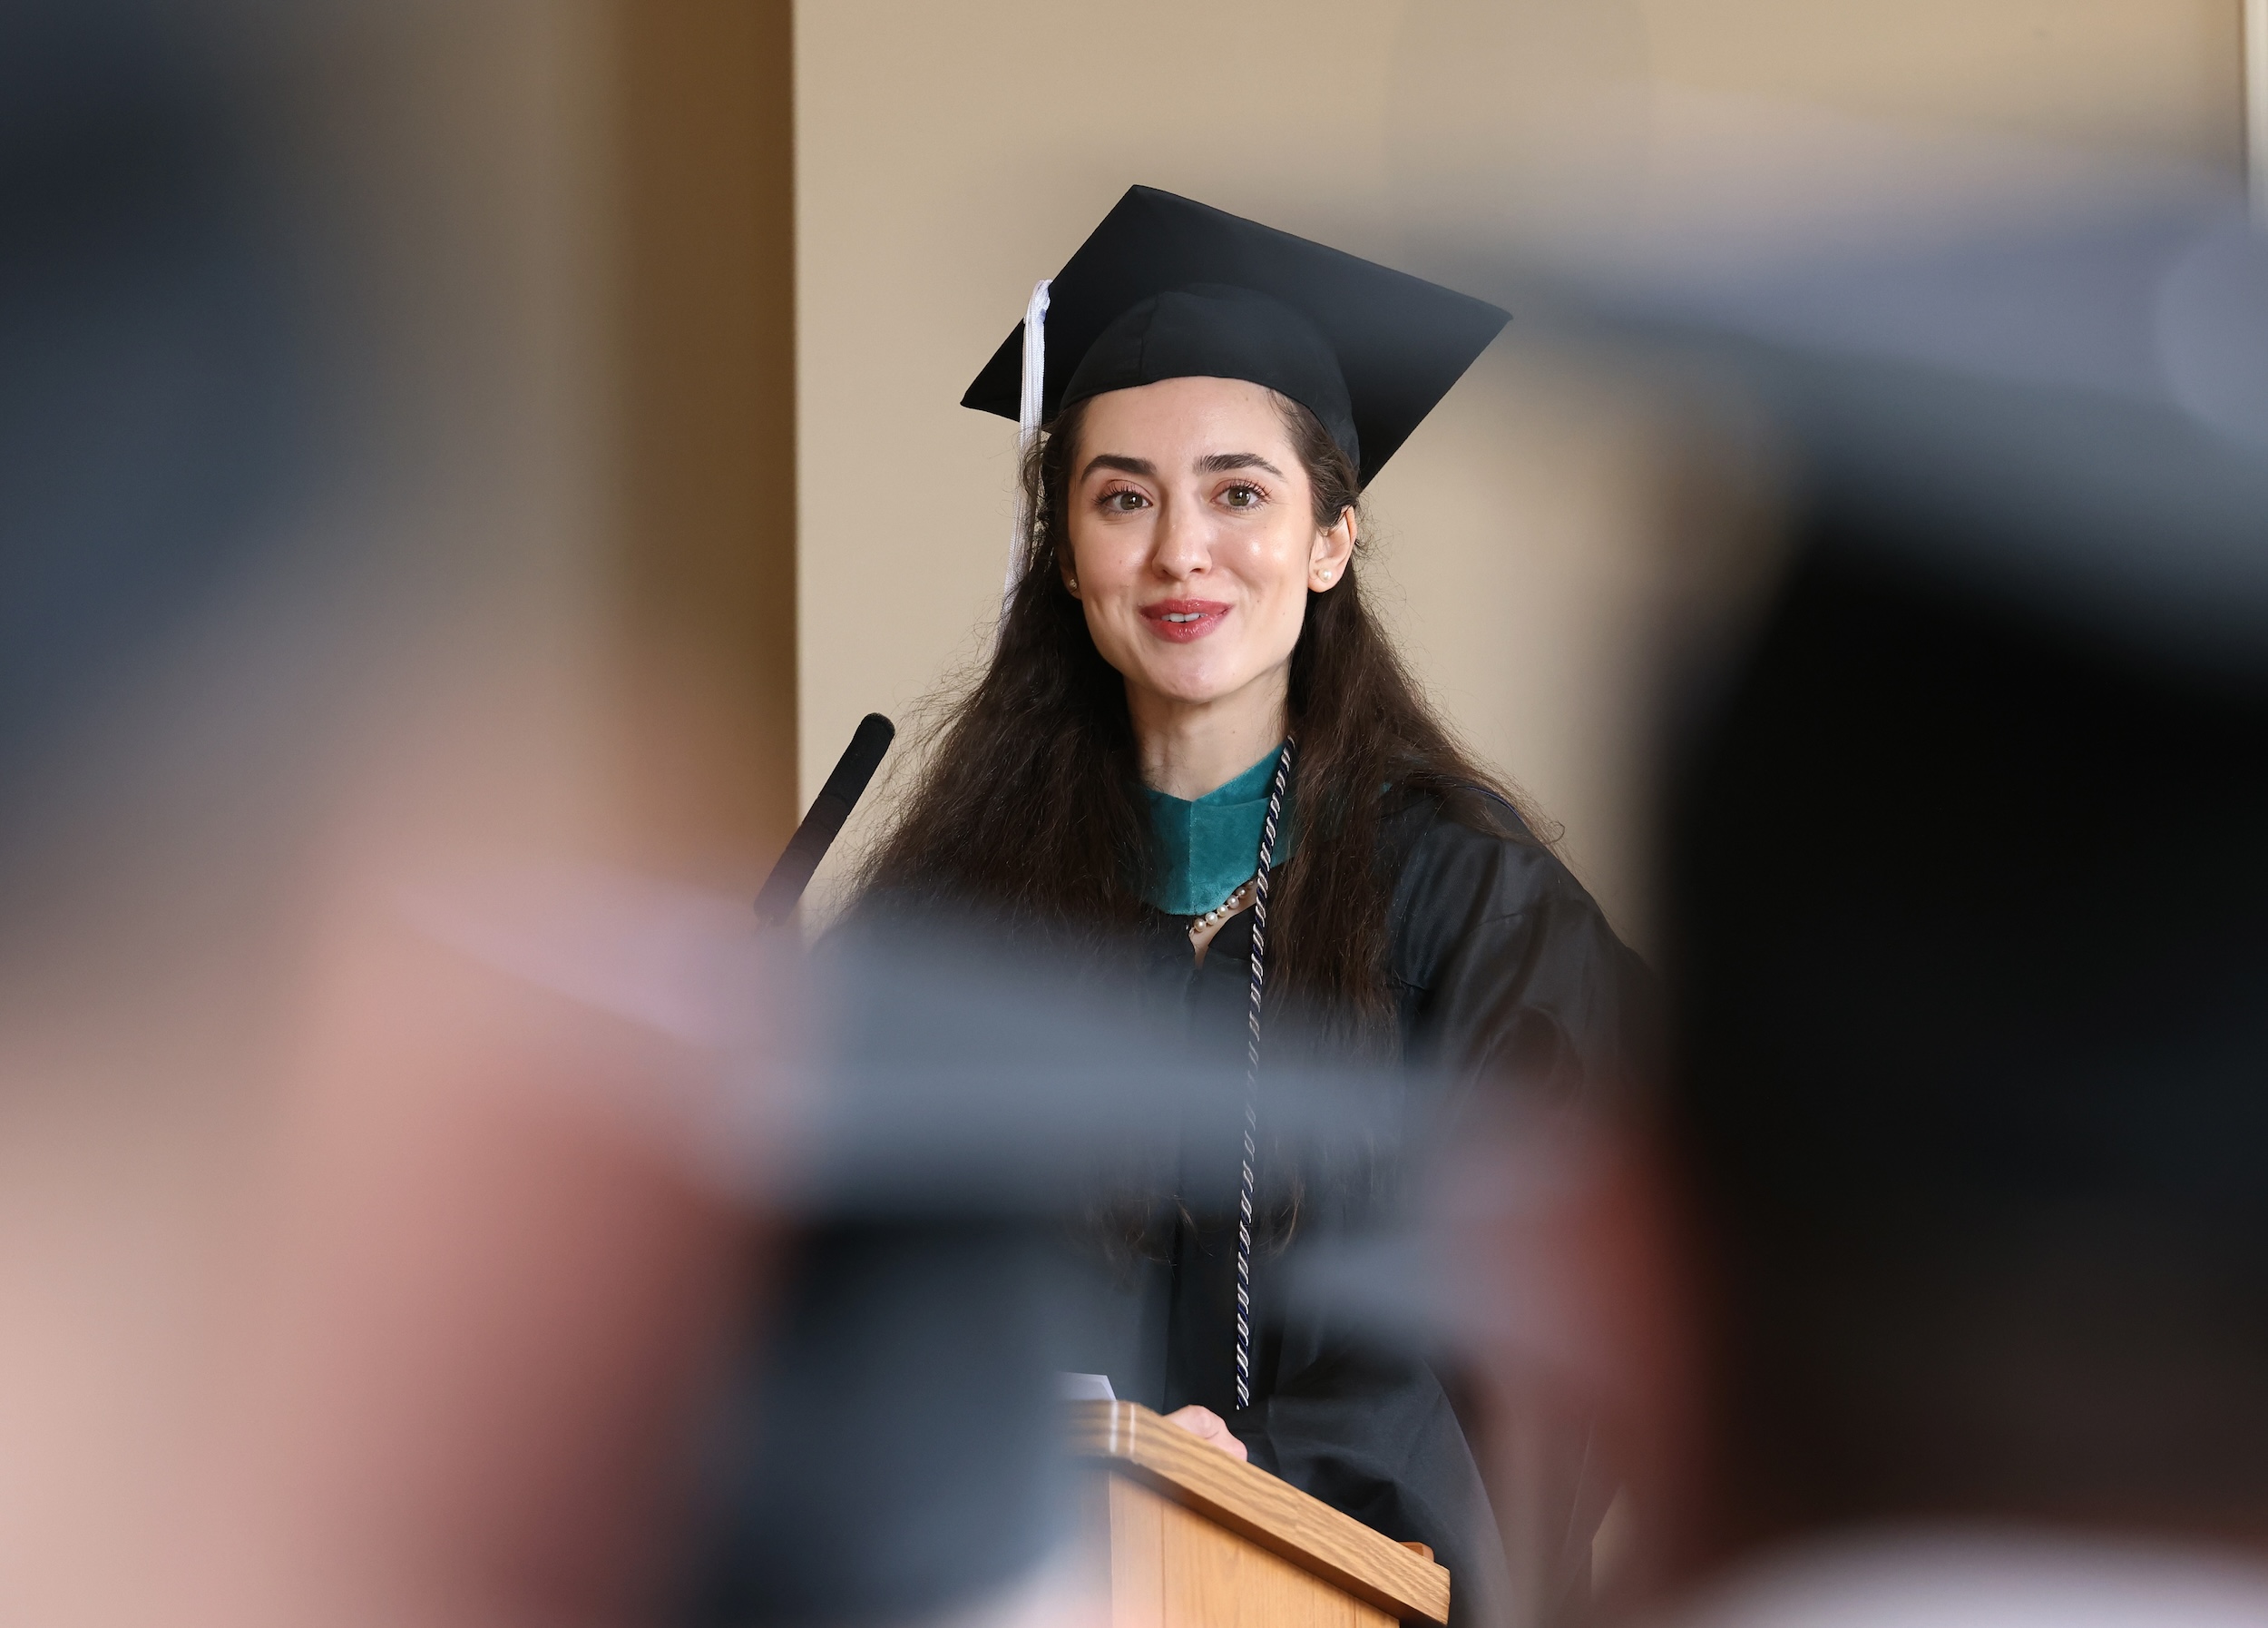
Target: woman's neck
1190	747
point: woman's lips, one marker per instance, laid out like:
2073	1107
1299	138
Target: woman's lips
1182	620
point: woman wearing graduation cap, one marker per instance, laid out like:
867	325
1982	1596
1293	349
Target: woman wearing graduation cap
1192	731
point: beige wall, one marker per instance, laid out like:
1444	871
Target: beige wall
950	155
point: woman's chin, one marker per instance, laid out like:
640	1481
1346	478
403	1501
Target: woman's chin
1191	688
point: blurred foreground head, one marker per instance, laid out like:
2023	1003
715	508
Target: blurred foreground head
1967	890
343	1273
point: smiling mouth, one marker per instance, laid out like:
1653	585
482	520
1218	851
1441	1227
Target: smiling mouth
1179	621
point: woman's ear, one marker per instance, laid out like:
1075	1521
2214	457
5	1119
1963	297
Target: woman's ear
1070	568
1327	561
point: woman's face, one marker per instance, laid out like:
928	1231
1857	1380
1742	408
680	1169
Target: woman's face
1192	539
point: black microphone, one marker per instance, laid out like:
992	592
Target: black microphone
782	889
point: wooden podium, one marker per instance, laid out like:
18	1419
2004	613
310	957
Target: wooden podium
1191	1539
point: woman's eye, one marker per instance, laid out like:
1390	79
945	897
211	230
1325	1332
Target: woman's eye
1125	502
1243	497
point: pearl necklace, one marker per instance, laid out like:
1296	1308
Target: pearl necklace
1228	906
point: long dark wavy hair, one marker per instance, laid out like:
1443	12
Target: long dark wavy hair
1028	806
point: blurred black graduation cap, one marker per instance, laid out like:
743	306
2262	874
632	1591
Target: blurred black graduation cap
1975	820
1966	884
1167	288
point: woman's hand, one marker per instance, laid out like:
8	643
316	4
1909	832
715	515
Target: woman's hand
1208	1426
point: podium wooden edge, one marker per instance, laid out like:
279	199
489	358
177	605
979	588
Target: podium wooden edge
1270	1512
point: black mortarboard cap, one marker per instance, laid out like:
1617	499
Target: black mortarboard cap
1166	287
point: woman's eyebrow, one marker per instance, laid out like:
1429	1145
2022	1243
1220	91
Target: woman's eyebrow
1217	463
1125	466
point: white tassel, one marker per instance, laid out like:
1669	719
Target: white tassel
1035	375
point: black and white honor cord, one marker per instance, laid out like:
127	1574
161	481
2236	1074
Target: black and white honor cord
1252	1075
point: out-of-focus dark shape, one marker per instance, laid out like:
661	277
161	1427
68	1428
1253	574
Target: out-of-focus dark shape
2075	424
888	1448
1967	904
149	383
1972	924
999	1080
891	1453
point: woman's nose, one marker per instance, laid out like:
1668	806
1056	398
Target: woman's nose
1184	544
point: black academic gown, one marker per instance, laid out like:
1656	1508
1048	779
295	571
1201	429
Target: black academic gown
1508	977
883	1452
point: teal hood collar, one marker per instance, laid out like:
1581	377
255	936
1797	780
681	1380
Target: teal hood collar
1207	848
